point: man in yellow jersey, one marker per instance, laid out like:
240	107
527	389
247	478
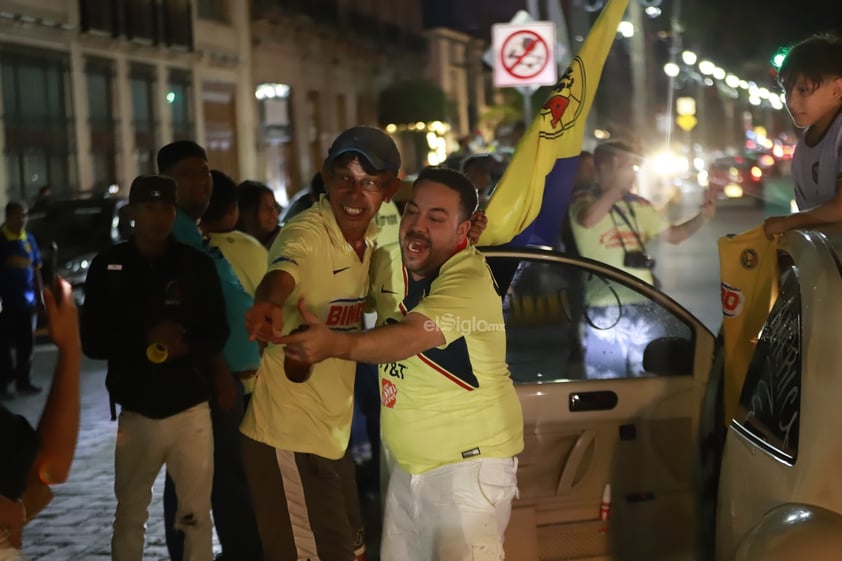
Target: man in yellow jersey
451	420
301	480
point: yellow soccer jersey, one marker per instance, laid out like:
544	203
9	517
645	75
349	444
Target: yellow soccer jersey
455	402
605	241
315	416
247	256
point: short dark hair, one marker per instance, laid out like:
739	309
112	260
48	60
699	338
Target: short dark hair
223	196
12	206
169	155
605	152
455	180
813	58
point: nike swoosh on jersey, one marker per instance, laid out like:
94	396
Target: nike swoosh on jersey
384	290
337	271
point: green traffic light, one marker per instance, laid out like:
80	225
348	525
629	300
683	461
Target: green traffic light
779	57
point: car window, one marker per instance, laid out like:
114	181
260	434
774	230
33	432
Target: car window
770	401
564	322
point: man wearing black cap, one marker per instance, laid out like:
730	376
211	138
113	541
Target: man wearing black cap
300	477
154	310
187	163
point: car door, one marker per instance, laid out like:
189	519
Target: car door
611	374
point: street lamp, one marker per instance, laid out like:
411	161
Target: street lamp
706	67
689	58
626	29
671	69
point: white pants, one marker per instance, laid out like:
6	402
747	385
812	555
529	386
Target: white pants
458	512
184	442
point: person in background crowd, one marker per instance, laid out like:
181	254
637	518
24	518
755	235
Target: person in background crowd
247	256
233	514
20	298
35	459
259	212
155	311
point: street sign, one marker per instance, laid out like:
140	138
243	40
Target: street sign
686	122
524	54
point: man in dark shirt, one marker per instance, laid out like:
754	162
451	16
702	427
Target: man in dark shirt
154	309
20	291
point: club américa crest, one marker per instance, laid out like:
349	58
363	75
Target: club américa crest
565	104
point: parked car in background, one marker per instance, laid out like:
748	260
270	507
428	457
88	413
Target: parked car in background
80	228
737	177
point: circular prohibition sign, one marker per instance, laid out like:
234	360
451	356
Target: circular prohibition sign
524	54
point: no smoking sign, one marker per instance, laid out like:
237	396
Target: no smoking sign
524	54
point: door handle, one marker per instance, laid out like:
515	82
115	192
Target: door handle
592	401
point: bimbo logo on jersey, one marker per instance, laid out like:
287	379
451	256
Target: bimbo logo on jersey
345	315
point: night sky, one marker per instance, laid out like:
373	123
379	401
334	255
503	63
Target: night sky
732	32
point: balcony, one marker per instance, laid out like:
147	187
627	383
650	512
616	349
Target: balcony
164	22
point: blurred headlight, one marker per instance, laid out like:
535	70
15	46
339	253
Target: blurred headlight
733	191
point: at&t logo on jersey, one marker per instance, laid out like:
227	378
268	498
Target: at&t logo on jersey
345	315
732	300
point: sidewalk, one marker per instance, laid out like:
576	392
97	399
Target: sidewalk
76	526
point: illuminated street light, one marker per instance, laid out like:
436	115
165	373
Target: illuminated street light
626	29
755	100
689	58
652	11
743	84
719	73
775	101
732	81
671	69
706	67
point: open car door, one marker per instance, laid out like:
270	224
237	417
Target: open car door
611	374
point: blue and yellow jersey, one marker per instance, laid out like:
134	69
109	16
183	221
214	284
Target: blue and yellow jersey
20	258
457	401
315	416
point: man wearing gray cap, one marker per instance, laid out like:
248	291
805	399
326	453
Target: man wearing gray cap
297	427
154	310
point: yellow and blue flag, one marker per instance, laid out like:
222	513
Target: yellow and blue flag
529	203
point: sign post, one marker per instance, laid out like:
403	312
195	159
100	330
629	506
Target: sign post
524	57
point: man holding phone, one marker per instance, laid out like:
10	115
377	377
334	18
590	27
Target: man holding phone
20	291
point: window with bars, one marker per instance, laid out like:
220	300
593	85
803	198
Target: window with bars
38	121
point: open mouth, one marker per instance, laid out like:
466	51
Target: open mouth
416	246
351	211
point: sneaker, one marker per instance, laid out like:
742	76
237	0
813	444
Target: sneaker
28	389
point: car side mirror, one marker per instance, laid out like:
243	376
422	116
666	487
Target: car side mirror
669	356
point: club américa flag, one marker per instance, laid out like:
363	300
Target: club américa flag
529	203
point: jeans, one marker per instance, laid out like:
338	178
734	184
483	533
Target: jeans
233	514
185	444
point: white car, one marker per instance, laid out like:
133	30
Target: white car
621	391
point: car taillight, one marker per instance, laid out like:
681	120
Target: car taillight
756	173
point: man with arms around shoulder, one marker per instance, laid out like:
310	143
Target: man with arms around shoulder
451	420
811	76
301	478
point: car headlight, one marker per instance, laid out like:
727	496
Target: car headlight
733	191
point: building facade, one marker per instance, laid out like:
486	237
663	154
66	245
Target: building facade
90	89
319	66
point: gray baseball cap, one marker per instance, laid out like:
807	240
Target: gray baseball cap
371	143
